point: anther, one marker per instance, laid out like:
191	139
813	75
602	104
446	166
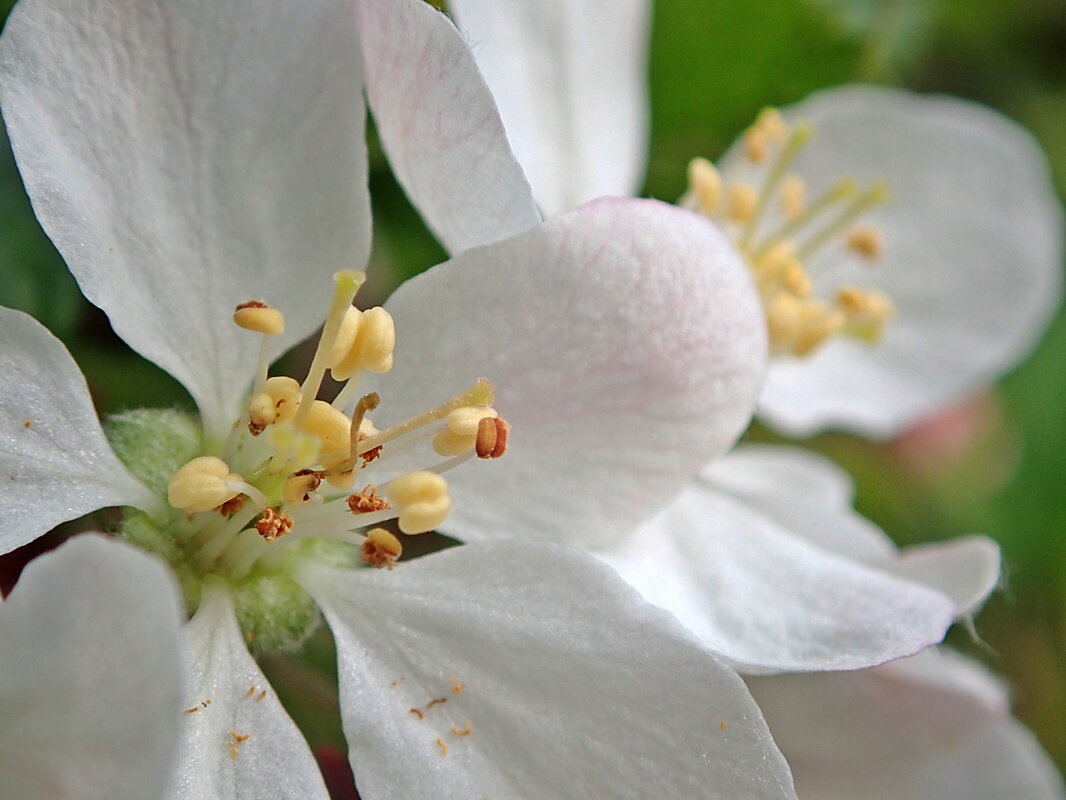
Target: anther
492	437
793	197
866	241
300	486
201	485
461	430
865	312
277	402
423	500
381	549
705	184
367	500
370	349
742	202
331	427
273	523
256	315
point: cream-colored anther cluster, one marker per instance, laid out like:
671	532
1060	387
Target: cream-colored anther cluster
365	341
798	323
202	484
422	499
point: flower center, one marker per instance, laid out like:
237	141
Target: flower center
778	231
297	474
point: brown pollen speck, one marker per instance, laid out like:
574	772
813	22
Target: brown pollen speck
231	506
26	424
491	439
367	500
251	304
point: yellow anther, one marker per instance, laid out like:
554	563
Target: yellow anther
742	202
756	144
798	327
793	197
258	316
377	340
422	498
866	241
276	403
865	312
202	484
371	348
773	125
300	486
381	549
464	421
346	336
705	184
447	443
330	426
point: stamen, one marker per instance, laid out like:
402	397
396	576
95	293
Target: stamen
705	185
799	137
866	241
276	402
367	403
367	500
381	549
273	523
256	315
201	485
480	394
875	196
844	189
346	284
461	430
300	486
492	437
793	197
423	500
742	202
371	348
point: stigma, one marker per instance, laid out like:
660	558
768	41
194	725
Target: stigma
779	229
291	464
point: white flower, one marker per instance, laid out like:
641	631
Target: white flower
971	236
89	671
753	584
933	727
188	157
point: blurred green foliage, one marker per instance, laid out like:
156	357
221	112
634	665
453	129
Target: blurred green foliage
714	64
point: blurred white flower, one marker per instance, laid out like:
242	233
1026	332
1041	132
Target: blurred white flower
189	157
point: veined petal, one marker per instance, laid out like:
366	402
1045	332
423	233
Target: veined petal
972	258
527	670
440	127
90	681
55	463
186	156
239	743
766	599
625	344
936	726
570	78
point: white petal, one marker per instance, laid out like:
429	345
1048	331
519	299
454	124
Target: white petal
766	599
570	78
188	156
935	728
232	700
570	685
89	676
803	492
55	463
973	255
589	328
440	127
966	570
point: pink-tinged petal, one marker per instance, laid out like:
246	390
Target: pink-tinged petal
626	347
239	743
186	156
55	463
972	258
570	78
514	669
766	599
935	726
440	127
90	678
